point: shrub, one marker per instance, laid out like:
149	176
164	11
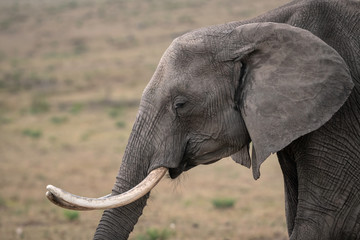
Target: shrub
76	108
71	215
2	202
39	105
5	120
115	112
222	203
79	46
58	120
120	124
155	234
33	133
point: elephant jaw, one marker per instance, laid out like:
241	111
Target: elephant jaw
208	153
187	164
70	201
175	172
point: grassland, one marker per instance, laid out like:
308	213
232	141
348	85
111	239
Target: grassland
71	77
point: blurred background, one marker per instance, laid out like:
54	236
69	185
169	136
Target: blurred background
71	76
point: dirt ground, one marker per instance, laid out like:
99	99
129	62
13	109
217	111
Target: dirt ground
71	77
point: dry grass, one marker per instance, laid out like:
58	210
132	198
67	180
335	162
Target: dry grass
71	76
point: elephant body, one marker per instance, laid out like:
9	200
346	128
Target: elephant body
321	168
289	82
322	187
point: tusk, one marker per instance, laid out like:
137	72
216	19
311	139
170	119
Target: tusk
64	204
70	201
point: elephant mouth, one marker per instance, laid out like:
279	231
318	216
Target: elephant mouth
187	164
191	160
183	167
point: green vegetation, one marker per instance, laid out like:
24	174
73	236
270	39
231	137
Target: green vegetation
59	120
71	215
72	73
5	120
79	46
222	203
116	112
2	202
76	108
155	234
32	133
86	135
39	105
120	124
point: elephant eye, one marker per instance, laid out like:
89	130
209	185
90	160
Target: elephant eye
179	103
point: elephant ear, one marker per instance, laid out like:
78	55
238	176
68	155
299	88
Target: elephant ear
242	157
291	83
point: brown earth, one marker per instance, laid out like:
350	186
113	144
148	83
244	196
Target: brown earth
71	76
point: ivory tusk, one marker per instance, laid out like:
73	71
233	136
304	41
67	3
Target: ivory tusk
70	201
62	203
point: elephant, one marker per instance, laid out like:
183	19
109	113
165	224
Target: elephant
287	82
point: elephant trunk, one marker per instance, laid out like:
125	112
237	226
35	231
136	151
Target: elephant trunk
117	223
134	175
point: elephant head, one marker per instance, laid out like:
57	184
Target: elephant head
214	91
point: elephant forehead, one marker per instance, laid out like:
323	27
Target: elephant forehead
189	66
187	71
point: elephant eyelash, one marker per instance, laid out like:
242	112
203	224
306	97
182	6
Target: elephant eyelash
179	105
179	102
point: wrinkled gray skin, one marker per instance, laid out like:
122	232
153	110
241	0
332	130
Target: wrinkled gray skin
219	88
